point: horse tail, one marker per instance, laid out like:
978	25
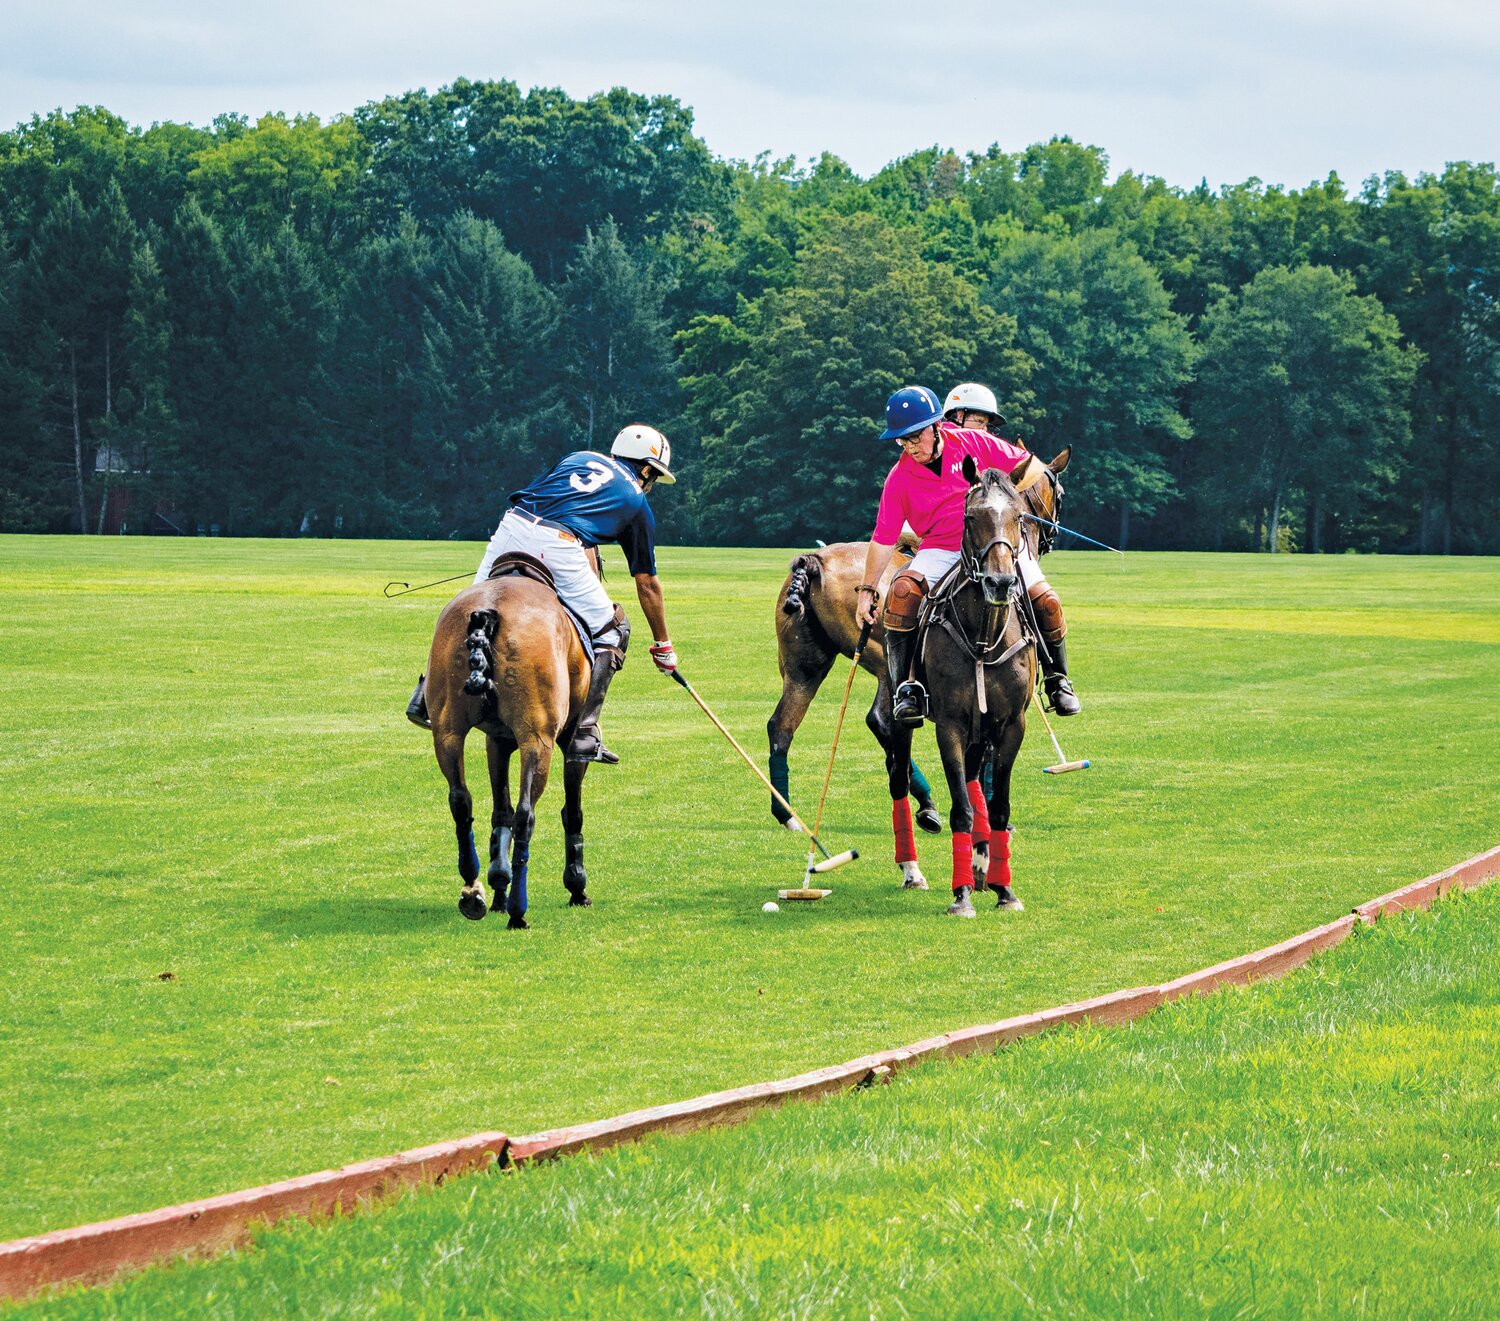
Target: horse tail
478	643
806	571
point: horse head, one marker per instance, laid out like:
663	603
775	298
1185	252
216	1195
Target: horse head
992	531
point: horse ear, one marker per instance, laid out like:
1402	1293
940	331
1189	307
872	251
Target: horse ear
970	470
1061	461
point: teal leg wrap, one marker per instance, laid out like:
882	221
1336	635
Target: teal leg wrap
781	780
919	785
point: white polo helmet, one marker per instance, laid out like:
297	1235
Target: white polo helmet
642	442
974	398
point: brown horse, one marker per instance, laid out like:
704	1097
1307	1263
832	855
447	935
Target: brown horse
815	625
981	667
507	660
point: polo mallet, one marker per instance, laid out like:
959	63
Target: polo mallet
805	892
830	862
1058	527
1063	764
407	587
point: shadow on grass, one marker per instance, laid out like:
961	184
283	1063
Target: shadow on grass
372	917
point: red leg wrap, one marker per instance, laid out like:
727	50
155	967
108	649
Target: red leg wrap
981	813
906	844
963	858
999	872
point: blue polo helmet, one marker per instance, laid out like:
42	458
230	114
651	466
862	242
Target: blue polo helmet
910	409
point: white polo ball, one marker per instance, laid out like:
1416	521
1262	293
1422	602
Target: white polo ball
770	906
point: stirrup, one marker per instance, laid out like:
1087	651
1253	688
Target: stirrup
909	706
587	745
1061	699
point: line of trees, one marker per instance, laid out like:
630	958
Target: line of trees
380	325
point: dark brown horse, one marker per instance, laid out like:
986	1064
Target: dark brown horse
815	625
980	667
506	660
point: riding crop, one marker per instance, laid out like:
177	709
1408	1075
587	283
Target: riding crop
830	862
409	588
1063	764
811	893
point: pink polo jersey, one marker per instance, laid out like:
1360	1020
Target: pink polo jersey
933	502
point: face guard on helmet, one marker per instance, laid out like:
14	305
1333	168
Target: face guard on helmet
648	444
910	409
971	397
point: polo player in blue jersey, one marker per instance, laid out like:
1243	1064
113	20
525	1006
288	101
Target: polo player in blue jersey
585	500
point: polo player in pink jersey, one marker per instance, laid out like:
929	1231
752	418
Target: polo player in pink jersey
925	489
973	406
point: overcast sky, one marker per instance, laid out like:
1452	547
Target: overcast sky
1284	90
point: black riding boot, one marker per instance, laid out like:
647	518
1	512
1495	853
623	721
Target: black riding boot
416	709
1055	680
588	743
909	703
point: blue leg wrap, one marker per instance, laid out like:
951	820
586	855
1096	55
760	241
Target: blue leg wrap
781	780
919	785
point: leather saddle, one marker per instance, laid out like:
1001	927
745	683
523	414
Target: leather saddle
519	563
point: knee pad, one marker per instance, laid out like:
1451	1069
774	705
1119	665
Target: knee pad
1049	613
903	603
614	638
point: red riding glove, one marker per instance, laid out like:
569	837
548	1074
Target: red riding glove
665	656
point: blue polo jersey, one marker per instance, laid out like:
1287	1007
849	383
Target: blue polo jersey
598	499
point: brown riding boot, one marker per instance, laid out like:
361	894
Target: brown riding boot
416	709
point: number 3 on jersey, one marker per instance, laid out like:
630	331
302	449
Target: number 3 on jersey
587	485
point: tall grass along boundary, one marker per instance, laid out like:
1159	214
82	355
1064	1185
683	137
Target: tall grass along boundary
95	1253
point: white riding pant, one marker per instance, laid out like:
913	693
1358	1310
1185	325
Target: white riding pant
563	553
933	563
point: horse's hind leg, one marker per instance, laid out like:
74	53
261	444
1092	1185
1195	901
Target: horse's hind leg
975	760
536	761
878	719
502	815
450	756
574	876
800	678
1006	750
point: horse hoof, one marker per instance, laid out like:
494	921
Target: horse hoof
471	905
914	883
929	820
1009	901
580	901
517	924
962	908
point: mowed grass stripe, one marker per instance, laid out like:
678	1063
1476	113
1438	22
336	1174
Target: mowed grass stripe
206	772
1320	1145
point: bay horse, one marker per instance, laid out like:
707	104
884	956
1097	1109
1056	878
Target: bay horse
507	660
815	625
981	668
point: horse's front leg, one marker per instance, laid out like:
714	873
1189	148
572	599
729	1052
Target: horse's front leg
974	762
450	755
898	773
952	746
878	718
536	761
574	876
1007	748
502	818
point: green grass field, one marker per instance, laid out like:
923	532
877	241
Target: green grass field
206	771
1320	1146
